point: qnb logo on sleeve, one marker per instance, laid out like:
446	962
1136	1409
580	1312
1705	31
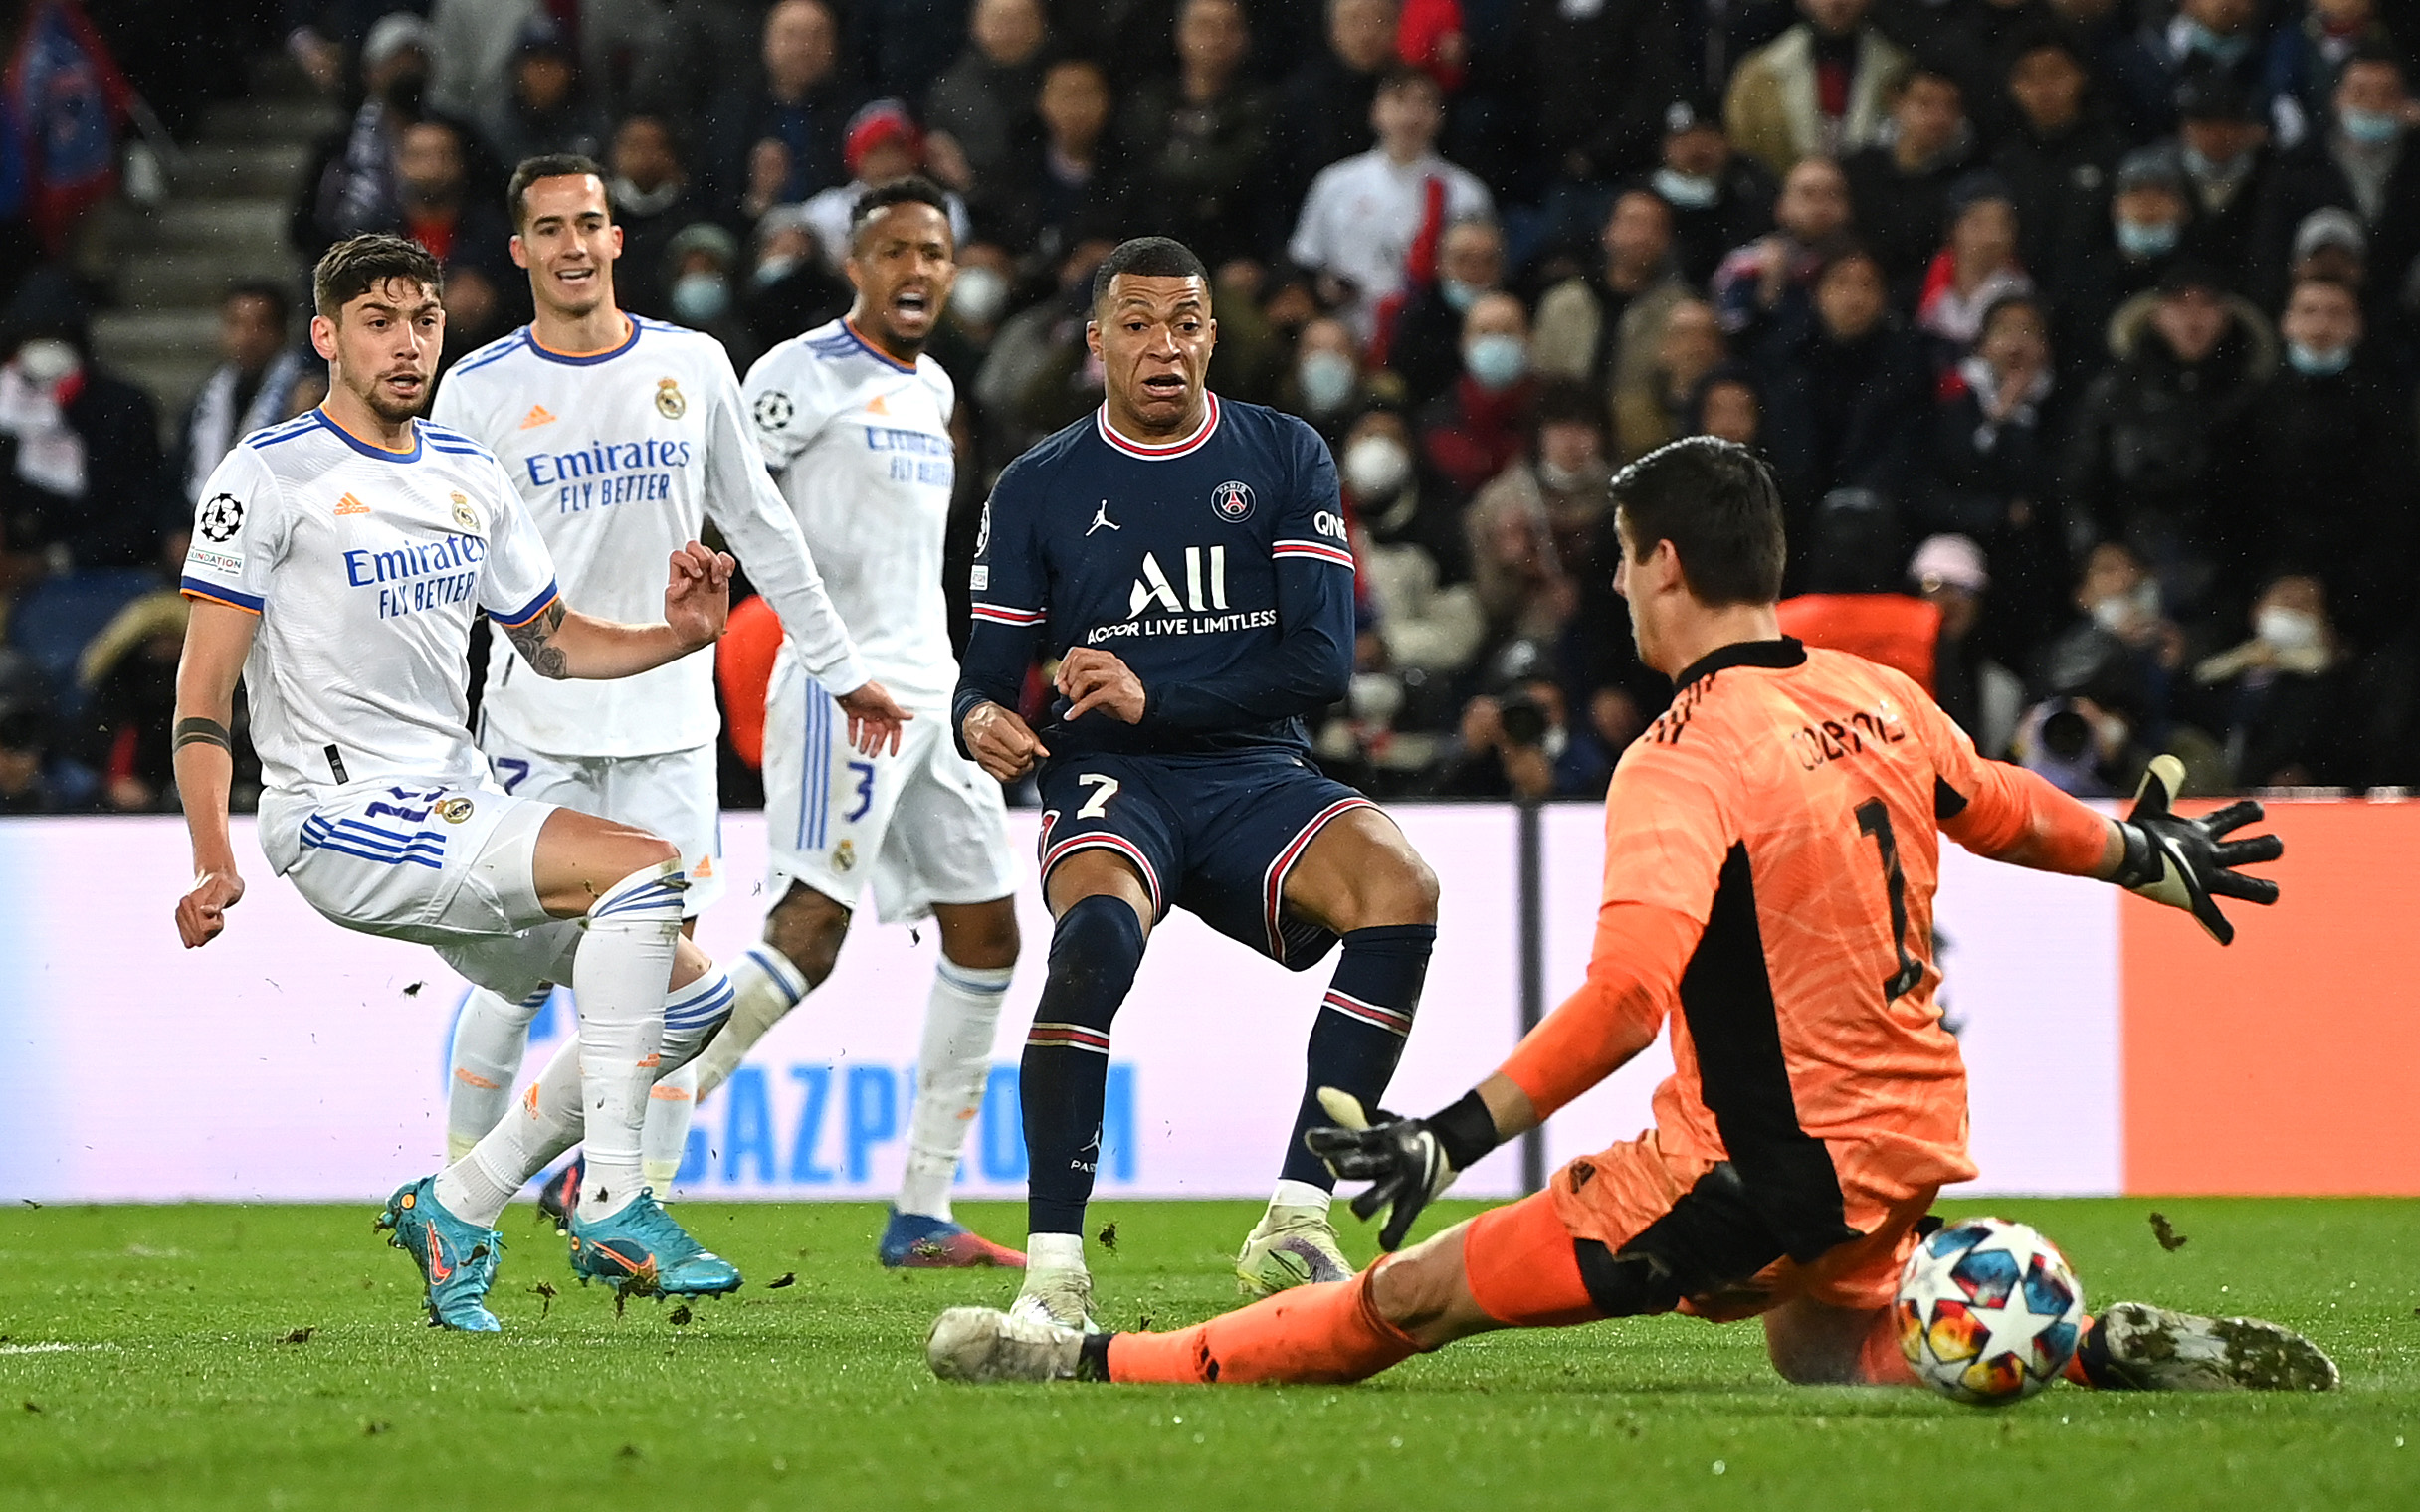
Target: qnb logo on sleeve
1203	609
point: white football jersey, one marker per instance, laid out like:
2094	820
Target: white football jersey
366	567
861	446
621	455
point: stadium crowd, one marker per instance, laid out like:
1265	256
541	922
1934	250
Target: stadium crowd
2082	334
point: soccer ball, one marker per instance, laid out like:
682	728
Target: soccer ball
1988	1311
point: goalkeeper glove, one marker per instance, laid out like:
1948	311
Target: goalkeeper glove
2186	863
1406	1161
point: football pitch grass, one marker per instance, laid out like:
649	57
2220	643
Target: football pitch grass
268	1357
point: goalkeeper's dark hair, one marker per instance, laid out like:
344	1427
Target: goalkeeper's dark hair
357	264
1151	257
914	189
1716	502
550	165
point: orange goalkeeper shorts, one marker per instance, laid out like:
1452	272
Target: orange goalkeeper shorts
1524	1260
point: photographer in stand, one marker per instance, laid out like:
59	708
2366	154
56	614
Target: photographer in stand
1519	743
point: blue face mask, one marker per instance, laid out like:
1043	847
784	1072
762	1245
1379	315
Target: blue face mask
2312	364
701	298
2209	44
2371	127
2153	239
2210	168
1458	295
1687	190
1496	362
1326	381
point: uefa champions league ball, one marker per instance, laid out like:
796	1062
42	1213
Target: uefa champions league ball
1990	1312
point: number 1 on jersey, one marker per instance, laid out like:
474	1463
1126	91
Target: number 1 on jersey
1097	806
1874	820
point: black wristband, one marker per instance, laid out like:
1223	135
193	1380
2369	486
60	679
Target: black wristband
203	732
1466	1131
2141	864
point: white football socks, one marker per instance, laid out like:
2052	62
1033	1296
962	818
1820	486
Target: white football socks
547	1122
1294	1193
619	980
490	1039
951	1070
691	1016
1048	1252
765	986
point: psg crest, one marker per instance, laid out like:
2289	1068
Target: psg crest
1232	501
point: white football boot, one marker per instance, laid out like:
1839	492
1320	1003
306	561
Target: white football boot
1291	1246
1058	1295
979	1345
2153	1349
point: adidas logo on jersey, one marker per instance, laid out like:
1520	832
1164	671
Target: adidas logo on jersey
538	415
876	406
351	505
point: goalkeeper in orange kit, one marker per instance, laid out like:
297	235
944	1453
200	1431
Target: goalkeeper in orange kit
1770	861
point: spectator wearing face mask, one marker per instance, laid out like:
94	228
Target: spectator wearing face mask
1328	385
1820	89
1950	572
2146	216
697	274
1656	409
1720	199
2361	162
2120	641
789	289
2331	473
82	482
2306	56
1764	284
652	199
2213	41
1601	327
1537	524
1422	341
1477	426
2277	703
1989	472
2160	448
1428	624
2223	144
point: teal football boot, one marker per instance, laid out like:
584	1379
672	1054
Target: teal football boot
456	1259
641	1251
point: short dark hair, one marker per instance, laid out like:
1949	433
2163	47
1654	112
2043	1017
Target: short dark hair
280	304
548	165
1716	502
914	189
1151	257
357	264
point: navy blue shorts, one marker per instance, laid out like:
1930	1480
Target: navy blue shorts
1215	836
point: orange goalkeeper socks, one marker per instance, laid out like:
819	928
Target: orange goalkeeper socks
1317	1335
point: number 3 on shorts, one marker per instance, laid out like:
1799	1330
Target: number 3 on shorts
1097	806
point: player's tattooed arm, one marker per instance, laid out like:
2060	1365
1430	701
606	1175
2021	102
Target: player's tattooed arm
534	637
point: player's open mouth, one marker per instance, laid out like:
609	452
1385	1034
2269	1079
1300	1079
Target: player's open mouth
1164	386
911	301
579	274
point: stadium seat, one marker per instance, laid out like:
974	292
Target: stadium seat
59	616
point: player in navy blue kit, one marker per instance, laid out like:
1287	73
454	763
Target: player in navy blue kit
1185	560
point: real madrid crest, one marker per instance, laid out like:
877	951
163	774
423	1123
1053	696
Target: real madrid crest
454	810
1232	502
464	514
844	856
668	402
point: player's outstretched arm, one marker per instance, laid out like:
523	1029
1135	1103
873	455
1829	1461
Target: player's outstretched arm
560	641
218	636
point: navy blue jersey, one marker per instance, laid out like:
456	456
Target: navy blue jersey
1216	567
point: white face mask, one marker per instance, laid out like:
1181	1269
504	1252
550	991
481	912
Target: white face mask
1572	479
773	269
1377	466
2287	630
47	359
978	294
1327	380
2136	606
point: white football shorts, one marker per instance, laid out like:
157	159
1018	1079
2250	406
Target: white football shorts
411	859
673	796
924	827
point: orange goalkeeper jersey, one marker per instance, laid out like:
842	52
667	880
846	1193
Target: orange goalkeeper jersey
1770	858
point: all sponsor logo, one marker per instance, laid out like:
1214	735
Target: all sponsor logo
220	517
1232	502
668	402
